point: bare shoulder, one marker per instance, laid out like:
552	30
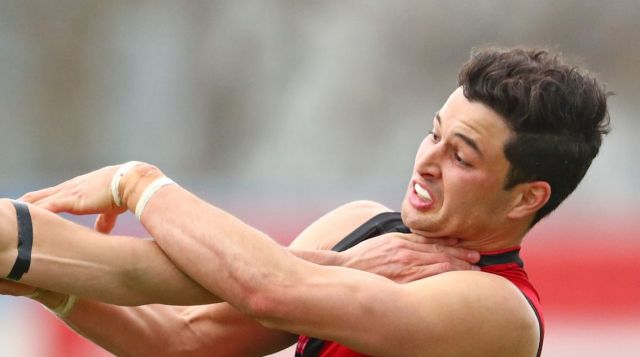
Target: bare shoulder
460	313
329	229
484	311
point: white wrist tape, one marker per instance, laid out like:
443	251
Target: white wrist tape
148	193
115	181
65	307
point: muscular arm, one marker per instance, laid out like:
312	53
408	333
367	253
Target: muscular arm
70	258
160	330
215	329
220	329
374	315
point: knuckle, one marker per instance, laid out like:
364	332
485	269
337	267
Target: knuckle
456	254
466	266
398	244
405	257
445	267
402	257
442	257
413	238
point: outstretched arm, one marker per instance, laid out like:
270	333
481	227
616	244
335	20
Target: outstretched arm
269	283
161	330
374	315
219	328
70	258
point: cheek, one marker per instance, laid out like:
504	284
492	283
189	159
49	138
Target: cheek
472	189
488	197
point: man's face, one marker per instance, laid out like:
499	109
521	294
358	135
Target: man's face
456	188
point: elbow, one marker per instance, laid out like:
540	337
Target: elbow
259	306
265	308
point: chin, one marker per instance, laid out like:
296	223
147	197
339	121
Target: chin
412	218
427	224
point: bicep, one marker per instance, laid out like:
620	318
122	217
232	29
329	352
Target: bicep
466	313
450	314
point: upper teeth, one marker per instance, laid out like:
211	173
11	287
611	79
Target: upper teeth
422	193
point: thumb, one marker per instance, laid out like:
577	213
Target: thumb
105	222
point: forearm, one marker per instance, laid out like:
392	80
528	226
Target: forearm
224	255
321	257
128	331
70	258
161	330
240	264
150	330
124	331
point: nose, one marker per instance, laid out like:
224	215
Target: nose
429	158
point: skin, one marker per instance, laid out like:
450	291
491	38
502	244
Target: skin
219	329
466	184
70	258
375	316
99	267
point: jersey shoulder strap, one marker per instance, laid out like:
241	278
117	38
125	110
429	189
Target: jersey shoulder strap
382	223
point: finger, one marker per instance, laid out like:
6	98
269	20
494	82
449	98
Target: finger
441	253
439	268
461	265
467	255
105	223
34	196
415	238
56	204
427	271
436	253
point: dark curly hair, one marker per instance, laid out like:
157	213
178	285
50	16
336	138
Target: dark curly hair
558	113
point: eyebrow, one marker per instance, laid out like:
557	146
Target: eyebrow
472	143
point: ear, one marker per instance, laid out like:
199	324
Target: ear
531	197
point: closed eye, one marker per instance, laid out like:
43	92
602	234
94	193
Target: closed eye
459	159
435	137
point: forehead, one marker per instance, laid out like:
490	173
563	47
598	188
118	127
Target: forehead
474	120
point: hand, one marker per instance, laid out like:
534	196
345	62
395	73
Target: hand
86	194
407	257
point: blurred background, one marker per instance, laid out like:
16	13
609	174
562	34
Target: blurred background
279	111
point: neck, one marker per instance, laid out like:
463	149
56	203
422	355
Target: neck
503	239
482	247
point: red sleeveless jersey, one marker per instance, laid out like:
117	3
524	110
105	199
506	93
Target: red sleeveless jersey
506	263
